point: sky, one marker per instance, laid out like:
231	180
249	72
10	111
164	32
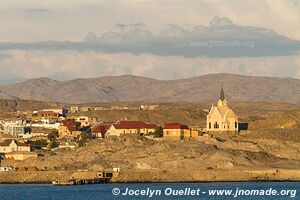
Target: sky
151	38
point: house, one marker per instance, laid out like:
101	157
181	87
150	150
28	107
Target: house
60	111
221	118
175	131
67	128
19	155
6	168
39	115
130	127
83	120
74	109
99	130
148	107
85	109
12	145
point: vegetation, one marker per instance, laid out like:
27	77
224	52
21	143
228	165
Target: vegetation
84	138
158	132
38	144
52	137
52	144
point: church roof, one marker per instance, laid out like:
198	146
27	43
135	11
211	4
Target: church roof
222	94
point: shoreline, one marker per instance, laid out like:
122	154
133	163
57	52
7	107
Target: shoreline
135	176
162	182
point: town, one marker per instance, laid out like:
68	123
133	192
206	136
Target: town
221	140
58	128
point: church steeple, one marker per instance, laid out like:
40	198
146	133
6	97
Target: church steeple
222	95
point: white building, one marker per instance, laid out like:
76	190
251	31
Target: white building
14	128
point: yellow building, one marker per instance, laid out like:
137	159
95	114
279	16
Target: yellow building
67	128
130	127
83	120
176	131
221	117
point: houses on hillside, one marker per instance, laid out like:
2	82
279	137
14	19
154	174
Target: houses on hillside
78	128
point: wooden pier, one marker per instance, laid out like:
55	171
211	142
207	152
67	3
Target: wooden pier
85	177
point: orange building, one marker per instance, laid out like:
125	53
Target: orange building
175	131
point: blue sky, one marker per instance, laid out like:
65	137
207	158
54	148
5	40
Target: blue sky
148	38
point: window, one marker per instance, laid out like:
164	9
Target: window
209	125
216	125
235	124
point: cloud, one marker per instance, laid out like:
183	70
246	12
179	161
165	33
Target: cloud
70	64
71	20
38	10
222	38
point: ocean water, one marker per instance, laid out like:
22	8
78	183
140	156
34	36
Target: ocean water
257	191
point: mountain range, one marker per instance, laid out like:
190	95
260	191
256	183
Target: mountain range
205	88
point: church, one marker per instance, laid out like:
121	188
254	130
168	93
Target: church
221	118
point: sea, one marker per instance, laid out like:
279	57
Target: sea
188	191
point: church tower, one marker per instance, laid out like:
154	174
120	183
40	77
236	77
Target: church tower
221	117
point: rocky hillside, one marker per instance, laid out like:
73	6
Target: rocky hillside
10	105
132	88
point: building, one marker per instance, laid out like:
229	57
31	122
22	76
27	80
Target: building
130	127
20	155
83	120
14	128
11	145
94	120
40	115
61	111
85	109
148	107
221	118
99	130
175	131
74	109
6	168
67	128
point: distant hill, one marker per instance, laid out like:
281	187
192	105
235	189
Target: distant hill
10	105
133	88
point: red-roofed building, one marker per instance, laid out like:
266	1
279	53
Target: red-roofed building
67	128
131	127
175	131
99	130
